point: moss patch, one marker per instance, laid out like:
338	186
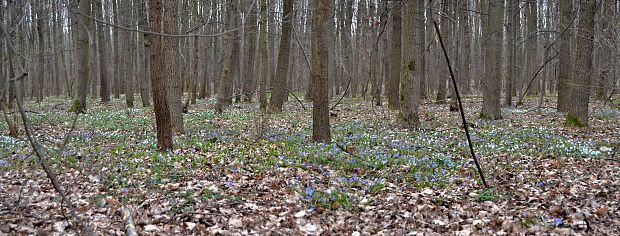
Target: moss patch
572	121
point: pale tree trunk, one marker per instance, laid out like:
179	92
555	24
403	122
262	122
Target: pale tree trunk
413	38
158	76
391	89
320	110
175	83
565	70
82	56
264	54
491	93
578	107
279	87
226	78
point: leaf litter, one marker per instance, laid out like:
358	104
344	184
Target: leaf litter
231	175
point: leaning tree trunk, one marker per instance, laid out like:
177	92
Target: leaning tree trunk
279	83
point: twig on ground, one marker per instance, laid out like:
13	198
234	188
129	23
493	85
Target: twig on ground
130	229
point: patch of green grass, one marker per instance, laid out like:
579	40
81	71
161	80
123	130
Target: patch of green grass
486	195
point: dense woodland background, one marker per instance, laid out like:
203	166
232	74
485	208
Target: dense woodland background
223	87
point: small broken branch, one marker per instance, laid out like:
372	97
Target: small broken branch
130	228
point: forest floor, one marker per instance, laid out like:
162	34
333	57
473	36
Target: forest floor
242	173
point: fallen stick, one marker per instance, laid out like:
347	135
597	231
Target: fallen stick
130	228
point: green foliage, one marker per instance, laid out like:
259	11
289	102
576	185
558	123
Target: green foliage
572	121
75	104
411	65
486	195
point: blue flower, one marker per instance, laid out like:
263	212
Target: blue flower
229	184
540	184
557	222
309	191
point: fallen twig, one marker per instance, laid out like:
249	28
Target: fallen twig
130	229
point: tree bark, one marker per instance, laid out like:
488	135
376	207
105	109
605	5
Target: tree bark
565	70
413	38
392	85
264	52
158	77
320	110
578	107
175	82
102	32
279	87
510	37
493	50
82	54
250	57
223	98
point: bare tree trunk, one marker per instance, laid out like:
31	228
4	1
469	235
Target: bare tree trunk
102	32
510	36
413	38
279	87
393	83
578	107
264	71
145	57
250	57
320	110
40	83
117	82
225	83
82	52
175	82
493	50
158	76
565	71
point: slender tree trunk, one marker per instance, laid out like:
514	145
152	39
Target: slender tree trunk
392	85
102	32
565	70
510	37
320	110
279	87
225	83
250	57
40	83
175	83
82	52
145	57
264	52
